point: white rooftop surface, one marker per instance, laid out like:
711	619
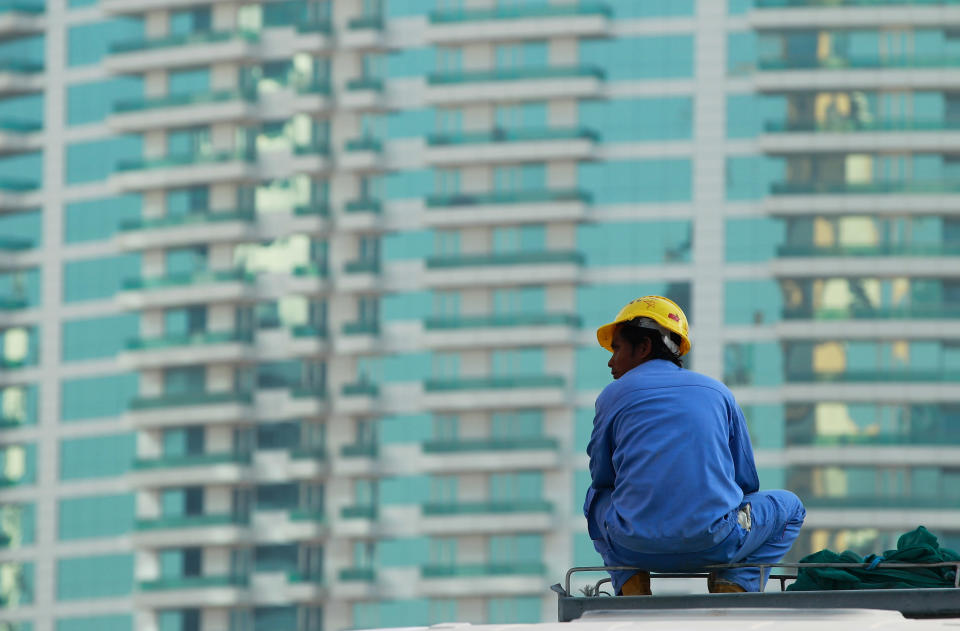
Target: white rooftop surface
719	620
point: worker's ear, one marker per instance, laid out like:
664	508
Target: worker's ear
643	350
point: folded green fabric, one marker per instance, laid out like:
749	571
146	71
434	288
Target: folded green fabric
917	546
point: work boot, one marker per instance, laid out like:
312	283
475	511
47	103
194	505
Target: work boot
716	585
637	585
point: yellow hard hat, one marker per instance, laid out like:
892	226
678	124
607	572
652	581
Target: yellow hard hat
663	311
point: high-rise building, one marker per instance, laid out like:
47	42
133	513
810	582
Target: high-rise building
298	298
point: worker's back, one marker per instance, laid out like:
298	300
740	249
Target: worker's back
681	458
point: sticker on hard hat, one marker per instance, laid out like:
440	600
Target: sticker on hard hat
674	317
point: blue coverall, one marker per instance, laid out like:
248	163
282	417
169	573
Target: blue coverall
671	466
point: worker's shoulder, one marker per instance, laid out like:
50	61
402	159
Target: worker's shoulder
651	382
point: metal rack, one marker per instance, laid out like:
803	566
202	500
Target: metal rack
912	603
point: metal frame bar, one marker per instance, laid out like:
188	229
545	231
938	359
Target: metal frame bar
912	603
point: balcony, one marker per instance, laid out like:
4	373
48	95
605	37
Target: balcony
183	110
220	347
514	84
18	76
293	402
922	259
15	253
193	228
511	145
313	37
362	154
889	503
15	194
19	136
20	18
197	469
511	23
313	157
896	376
506	208
504	268
144	6
181	289
363	93
482	579
880	249
164	532
185	170
866	73
365	32
908	312
793	14
143	55
361	511
936	436
176	410
849	136
193	591
494	392
499	330
304	525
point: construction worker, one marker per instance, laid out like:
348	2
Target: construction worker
674	485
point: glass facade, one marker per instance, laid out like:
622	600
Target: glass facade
268	274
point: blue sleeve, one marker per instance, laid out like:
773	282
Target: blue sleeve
602	476
745	470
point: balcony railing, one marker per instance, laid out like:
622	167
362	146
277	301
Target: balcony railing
359	512
511	135
940	436
190	398
472	570
866	188
360	388
515	74
365	22
210	37
851	125
519	12
365	83
316	452
369	266
315	26
875	376
15	6
307	330
364	144
857	63
503	320
360	450
196	339
911	312
893	503
183	280
879	249
782	4
193	582
193	460
187	219
483	508
315	516
12	185
318	209
468	200
490	444
171	162
361	328
505	258
20	126
11	244
190	521
364	574
365	205
21	66
182	100
494	383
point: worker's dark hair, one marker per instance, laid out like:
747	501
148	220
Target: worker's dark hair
634	335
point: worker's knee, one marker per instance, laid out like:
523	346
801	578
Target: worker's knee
788	505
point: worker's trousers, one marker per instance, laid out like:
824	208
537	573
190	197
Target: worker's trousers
776	517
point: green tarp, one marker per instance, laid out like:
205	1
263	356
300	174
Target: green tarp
917	546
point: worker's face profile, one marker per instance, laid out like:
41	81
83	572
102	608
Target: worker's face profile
626	356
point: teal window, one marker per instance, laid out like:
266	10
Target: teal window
190	21
95	160
584	554
87	44
748	114
186	201
21	286
99	219
17	525
76	4
95	516
661	180
514	609
637	120
278	496
408	184
276	558
411	62
97	397
184	380
18	404
519	239
636	243
18	464
114	622
96	456
275	619
82	578
93	102
753	239
26	168
186	261
520	486
283	435
739	7
403	613
741	53
28	109
519	300
26	227
751	177
759	364
515	362
767	425
191	141
18	589
178	620
95	338
98	279
527	177
651	8
30	49
189	81
649	57
527	54
752	302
